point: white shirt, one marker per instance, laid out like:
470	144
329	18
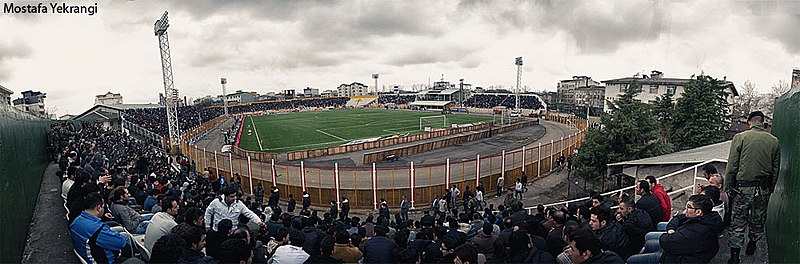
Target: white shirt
479	196
519	186
160	225
219	210
288	254
65	186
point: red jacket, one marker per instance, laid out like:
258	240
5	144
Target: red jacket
666	202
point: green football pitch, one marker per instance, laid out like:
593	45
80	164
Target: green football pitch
282	133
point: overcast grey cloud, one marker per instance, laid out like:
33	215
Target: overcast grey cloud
273	45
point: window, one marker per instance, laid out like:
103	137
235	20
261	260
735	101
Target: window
671	89
653	88
622	88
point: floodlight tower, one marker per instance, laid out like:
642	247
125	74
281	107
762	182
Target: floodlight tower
375	76
170	93
224	81
518	62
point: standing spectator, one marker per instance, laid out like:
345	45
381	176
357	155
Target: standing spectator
649	203
435	205
752	172
454	192
500	182
485	241
259	192
274	197
345	208
334	211
306	200
94	240
480	200
291	205
228	207
518	189
524	182
692	237
404	208
663	198
384	210
237	184
162	223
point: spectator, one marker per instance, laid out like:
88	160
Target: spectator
161	224
649	203
168	249
663	198
235	251
127	216
228	207
93	240
306	200
379	248
343	250
195	241
610	233
585	248
635	222
215	238
484	242
326	247
293	252
291	204
692	237
466	254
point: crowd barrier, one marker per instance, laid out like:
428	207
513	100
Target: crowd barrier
364	186
441	143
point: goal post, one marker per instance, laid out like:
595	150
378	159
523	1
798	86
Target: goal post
439	121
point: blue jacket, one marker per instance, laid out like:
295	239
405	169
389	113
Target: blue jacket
94	240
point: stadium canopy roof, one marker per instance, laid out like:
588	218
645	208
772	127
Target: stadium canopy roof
110	111
430	103
695	155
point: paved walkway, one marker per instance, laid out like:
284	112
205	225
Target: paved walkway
49	239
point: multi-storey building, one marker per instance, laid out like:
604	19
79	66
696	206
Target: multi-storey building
108	99
352	89
32	102
654	86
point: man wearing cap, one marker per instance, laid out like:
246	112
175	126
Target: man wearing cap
753	165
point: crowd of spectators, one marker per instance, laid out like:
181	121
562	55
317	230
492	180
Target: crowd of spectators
507	100
398	99
155	119
113	183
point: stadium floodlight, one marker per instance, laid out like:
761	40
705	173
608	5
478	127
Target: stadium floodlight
224	81
170	93
518	62
375	76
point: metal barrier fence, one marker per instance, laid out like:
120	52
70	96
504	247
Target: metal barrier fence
364	186
147	135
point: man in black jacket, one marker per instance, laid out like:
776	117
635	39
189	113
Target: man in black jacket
608	231
313	236
555	238
692	237
585	248
635	222
649	202
379	248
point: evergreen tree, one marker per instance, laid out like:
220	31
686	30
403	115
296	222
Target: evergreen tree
701	114
663	110
630	132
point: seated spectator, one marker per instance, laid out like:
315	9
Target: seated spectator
635	222
161	223
215	238
466	254
124	214
94	241
194	242
610	233
192	219
167	249
484	242
585	248
343	250
692	237
293	252
326	248
555	238
379	248
236	251
523	251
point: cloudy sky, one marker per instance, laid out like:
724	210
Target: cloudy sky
272	45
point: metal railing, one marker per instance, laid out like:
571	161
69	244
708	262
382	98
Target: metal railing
694	185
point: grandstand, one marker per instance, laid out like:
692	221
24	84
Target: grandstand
360	101
491	100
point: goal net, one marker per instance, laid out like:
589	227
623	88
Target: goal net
439	121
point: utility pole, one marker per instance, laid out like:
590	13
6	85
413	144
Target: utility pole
170	93
461	90
224	81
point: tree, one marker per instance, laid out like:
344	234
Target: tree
701	114
748	100
630	132
769	99
664	107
